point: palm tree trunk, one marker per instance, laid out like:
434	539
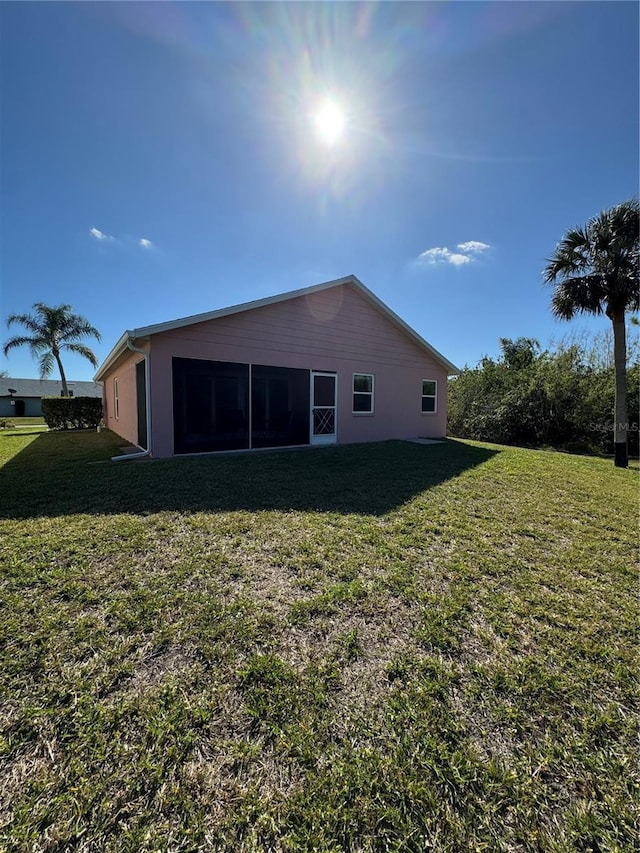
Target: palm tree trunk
65	390
621	415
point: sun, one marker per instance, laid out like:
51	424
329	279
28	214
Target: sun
329	120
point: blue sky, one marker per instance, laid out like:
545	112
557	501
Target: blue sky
162	159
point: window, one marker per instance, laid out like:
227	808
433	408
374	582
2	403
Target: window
116	400
429	394
363	393
70	394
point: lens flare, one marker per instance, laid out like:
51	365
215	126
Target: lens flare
330	122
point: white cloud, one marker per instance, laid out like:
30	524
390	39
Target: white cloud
473	247
468	253
457	260
122	242
442	255
99	235
433	256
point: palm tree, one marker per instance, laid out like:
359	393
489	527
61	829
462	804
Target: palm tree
595	271
54	330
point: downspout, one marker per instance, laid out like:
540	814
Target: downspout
147	389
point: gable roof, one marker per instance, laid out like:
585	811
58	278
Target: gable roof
146	331
47	388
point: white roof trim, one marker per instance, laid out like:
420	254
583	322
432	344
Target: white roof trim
115	353
146	331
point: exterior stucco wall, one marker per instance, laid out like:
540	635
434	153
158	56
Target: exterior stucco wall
126	424
335	330
32	407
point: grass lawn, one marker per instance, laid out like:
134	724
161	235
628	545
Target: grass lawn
390	647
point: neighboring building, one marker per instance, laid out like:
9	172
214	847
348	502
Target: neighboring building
22	397
322	365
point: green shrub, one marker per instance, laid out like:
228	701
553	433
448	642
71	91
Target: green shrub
72	412
6	423
560	397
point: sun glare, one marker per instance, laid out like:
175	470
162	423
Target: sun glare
330	122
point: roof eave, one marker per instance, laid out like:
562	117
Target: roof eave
147	331
144	331
114	355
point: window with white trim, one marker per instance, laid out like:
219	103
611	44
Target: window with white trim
429	396
363	393
116	400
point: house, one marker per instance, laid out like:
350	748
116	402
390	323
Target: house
322	365
22	397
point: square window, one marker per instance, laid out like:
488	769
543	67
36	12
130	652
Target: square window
362	383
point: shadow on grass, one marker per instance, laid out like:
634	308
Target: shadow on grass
58	474
20	433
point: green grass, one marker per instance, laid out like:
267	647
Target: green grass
389	647
34	421
10	423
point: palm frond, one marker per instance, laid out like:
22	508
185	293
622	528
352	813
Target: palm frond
632	302
570	257
64	324
78	327
578	295
21	341
45	364
52	311
82	350
25	320
595	269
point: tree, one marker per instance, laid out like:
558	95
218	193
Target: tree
562	399
519	353
594	270
53	330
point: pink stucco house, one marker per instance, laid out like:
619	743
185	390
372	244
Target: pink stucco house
323	365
